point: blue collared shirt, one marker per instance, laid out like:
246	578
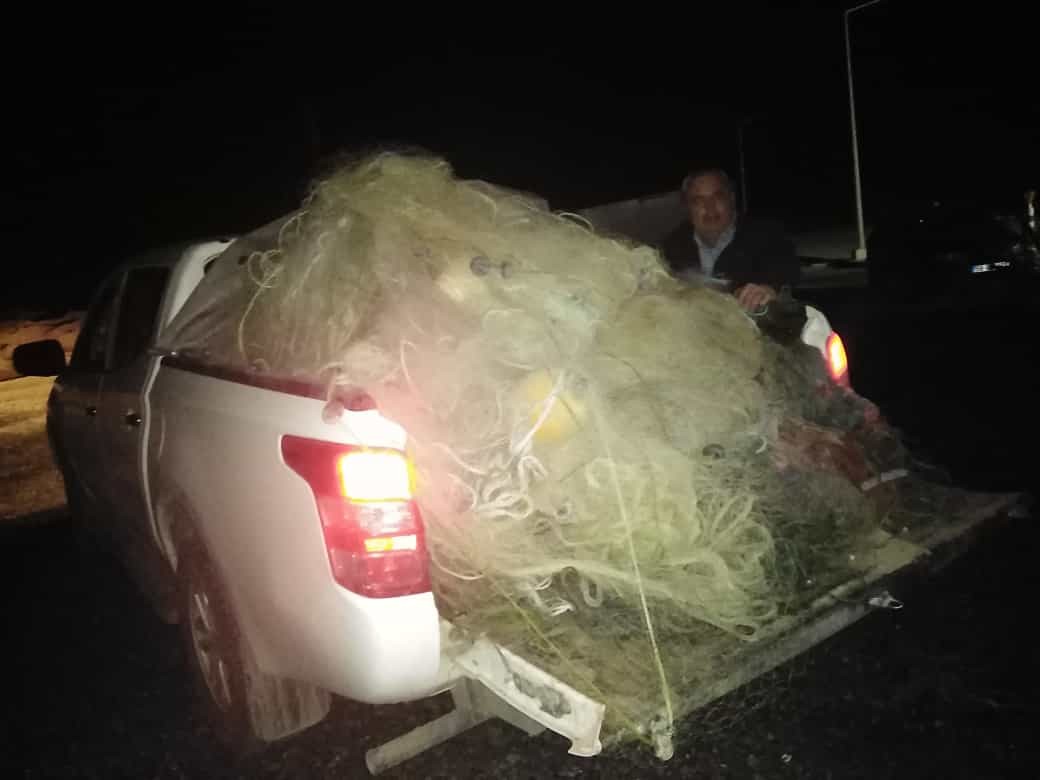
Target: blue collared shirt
710	254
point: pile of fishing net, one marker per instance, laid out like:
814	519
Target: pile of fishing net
623	478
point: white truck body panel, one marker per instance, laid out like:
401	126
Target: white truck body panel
219	450
817	329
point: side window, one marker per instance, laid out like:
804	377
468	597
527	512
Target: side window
91	347
138	311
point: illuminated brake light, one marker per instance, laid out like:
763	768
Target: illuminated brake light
372	528
837	360
374	476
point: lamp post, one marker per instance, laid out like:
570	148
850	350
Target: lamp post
861	249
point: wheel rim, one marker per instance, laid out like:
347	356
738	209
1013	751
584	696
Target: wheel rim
206	640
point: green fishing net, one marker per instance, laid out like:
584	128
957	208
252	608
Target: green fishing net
622	477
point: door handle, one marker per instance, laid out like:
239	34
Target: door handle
91	411
132	419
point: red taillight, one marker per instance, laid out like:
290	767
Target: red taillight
837	360
373	529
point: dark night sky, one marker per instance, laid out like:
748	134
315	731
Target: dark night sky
137	129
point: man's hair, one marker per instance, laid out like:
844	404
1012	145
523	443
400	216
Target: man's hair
698	172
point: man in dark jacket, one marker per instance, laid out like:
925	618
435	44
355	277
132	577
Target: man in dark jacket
754	258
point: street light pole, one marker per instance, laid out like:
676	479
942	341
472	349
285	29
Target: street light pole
861	249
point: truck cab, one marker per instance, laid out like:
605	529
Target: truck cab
98	416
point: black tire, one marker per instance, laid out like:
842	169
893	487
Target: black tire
213	646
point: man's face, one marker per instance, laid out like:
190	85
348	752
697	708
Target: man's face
711	206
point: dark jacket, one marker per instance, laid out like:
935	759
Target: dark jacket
759	253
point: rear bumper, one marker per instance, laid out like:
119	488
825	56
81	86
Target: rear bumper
375	651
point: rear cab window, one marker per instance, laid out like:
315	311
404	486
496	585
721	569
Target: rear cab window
120	326
138	313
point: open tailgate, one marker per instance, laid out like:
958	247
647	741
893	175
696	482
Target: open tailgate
488	680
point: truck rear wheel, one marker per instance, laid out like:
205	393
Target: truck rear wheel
213	645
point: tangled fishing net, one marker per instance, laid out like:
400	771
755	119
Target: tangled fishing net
622	477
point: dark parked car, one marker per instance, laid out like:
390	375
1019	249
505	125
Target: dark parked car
921	251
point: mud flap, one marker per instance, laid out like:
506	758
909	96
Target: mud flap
279	707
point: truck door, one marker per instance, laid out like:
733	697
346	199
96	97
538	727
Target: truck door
77	390
123	416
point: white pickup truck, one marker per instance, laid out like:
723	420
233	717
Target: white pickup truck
294	561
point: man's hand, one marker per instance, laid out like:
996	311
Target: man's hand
755	297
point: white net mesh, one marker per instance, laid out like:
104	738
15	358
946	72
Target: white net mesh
620	475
